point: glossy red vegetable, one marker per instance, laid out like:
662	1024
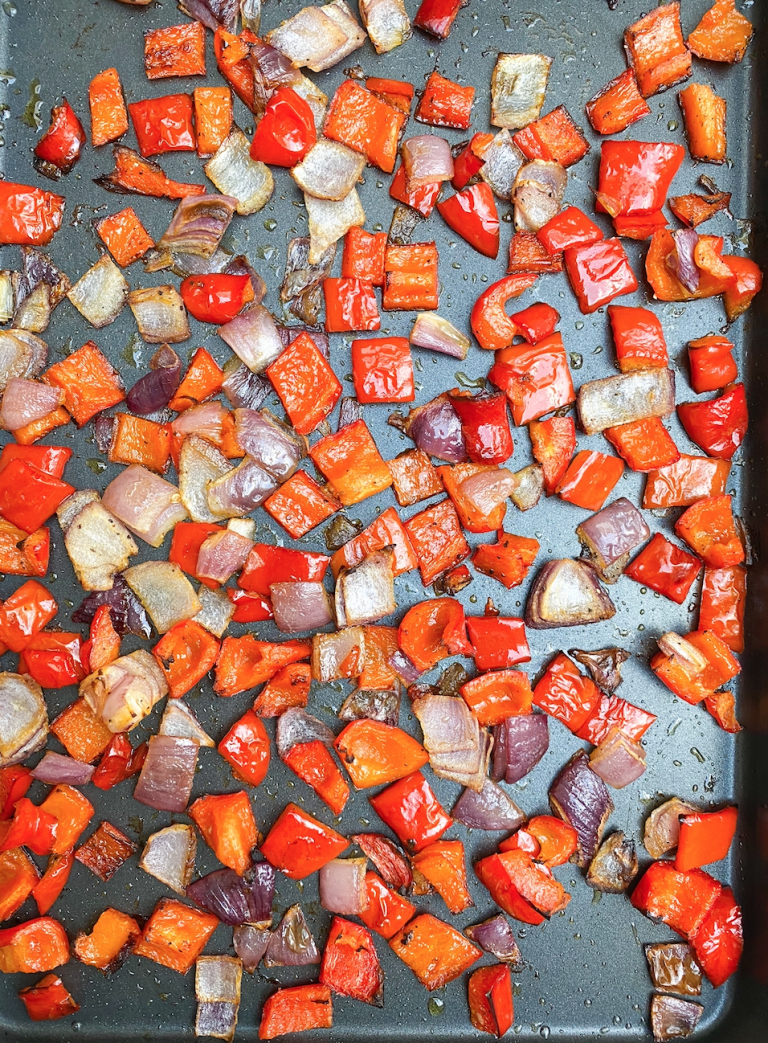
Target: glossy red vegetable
286	131
484	426
599	272
472	214
216	298
490	322
59	148
164	124
412	812
718	425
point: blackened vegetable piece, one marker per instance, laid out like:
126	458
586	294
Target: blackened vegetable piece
581	798
604	665
673	968
497	938
614	867
673	1018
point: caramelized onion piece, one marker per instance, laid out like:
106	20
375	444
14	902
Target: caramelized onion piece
23	718
291	943
518	86
623	399
611	535
614	867
169	856
160	314
519	745
604	665
99	294
329	170
489	809
581	798
617	760
566	593
247	181
673	1018
497	938
662	827
673	968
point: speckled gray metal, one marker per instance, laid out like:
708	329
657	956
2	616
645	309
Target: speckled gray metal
585	974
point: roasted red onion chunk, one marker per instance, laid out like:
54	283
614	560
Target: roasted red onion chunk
169	856
447	724
217	989
205	420
682	262
125	610
250	942
489	809
244	389
617	760
217	610
124	692
240	490
537	194
301	288
372	705
237	176
467	767
300	606
160	314
386	22
98	545
518	85
623	399
392	865
166	778
427	159
155	389
333	653
236	899
296	726
407	671
164	591
581	798
23	718
200	463
529	488
604	665
271	443
145	503
365	593
496	937
342	886
433	332
178	720
100	294
519	745
673	1018
501	161
435	428
614	867
253	337
196	228
222	555
291	943
662	827
55	769
329	170
25	401
331	219
487	490
350	410
673	968
214	14
318	37
566	593
21	355
611	535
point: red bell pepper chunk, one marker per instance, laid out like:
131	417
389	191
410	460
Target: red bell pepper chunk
747	283
246	746
536	378
164	124
712	364
617	105
28	496
350	965
59	148
305	383
232	57
30	827
118	762
286	132
687	679
36	945
498	642
523	840
267	564
470	160
489	320
508	560
412	812
387	911
472	214
491	1008
718	425
656	49
599	272
635	176
48	1000
364	123
422	198
382	369
537	322
709	529
249	608
645	445
683	483
14	783
28	216
411	278
554	137
297	1009
53	881
314	765
565	693
571	227
445	103
494	696
665	568
352	463
493	874
363	256
553	443
216	298
705	836
589	479
24	614
638	338
639	226
718	942
52	459
437	16
299	844
680	900
385	531
350	304
187	539
723	598
54	659
613	712
397	93
484	426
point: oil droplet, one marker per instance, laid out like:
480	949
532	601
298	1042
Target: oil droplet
598	349
473	598
97	466
674	726
10	9
506	21
576	360
31	114
436	1006
468	382
597	897
588	1003
579	325
270	224
616	1019
678	764
266	253
544	1031
131	353
698	755
672	125
7	77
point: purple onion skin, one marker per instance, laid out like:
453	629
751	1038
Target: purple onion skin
527	741
104	432
154	390
500	752
292	943
236	899
403	666
245	390
127	613
250	944
350	410
436	429
54	769
580	797
496	937
490	809
261	879
681	261
615	530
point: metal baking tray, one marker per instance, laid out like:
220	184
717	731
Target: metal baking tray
585	974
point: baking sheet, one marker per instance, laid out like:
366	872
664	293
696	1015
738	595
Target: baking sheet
585	973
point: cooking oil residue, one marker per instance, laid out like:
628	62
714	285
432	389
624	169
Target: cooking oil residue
31	114
436	1006
698	755
468	382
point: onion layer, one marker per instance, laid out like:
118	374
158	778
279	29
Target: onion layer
169	856
166	778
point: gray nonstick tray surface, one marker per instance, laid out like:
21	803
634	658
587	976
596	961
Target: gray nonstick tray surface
585	973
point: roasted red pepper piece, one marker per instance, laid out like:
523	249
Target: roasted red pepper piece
352	463
437	539
22	554
246	746
691	683
557	840
528	255
216	298
638	338
565	693
59	148
232	54
286	132
708	528
386	911
297	1009
382	369
553	443
498	642
350	304
665	568
28	216
299	844
589	479
228	827
693	209
718	941
118	762
484	426
175	935
472	517
571	227
411	278
747	283
705	836
213	118
489	320
718	425
185	654
613	712
635	176
722	706
305	383
599	272
435	952
350	965
507	560
712	364
25	613
472	214
536	322
554	137
53	880
359	120
491	1008
617	105
109	116
250	608
245	662
397	93
54	659
186	541
52	459
28	496
36	945
314	765
437	16
268	564
164	124
30	827
521	839
494	696
645	445
412	812
385	531
704	117
715	277
104	644
639	226
175	50
683	483
680	900
364	256
48	1000
445	103
723	598
299	505
536	378
18	877
14	783
89	381
470	161
203	379
492	872
289	687
656	50
432	631
442	865
422	198
722	34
